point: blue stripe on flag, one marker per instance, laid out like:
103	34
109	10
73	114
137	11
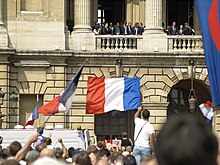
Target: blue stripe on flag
131	97
71	87
35	114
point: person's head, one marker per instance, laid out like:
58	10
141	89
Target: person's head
129	149
174	24
116	157
31	156
145	114
47	141
186	140
83	158
47	152
186	24
58	153
130	160
14	147
40	147
10	162
124	134
103	154
71	151
47	161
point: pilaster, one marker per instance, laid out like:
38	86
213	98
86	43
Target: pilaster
129	11
196	24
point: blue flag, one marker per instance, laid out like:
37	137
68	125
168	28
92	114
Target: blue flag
208	11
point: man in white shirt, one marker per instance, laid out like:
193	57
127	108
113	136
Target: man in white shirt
143	135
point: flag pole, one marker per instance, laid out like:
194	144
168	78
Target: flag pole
63	94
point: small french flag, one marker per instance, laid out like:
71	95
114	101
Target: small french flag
106	94
63	102
207	111
34	116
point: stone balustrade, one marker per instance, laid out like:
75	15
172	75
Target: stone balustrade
115	42
185	43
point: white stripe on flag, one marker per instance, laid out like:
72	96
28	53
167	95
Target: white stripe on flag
114	89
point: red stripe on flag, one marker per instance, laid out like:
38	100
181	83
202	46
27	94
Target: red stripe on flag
31	122
48	108
95	99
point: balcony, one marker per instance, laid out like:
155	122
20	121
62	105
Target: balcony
116	42
178	43
185	43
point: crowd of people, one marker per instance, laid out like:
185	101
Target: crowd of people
178	30
138	29
119	29
183	140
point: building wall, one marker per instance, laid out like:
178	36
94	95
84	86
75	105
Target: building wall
37	63
43	26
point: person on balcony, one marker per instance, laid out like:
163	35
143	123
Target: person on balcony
110	28
181	30
142	28
105	29
124	28
187	30
117	29
173	30
130	28
96	30
136	29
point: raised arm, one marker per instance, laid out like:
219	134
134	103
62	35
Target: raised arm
22	152
137	113
65	153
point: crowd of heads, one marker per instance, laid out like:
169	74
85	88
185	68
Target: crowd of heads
183	140
125	28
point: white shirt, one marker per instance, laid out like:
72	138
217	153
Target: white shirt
143	137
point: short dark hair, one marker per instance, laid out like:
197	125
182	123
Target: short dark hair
83	158
14	147
186	140
145	113
130	160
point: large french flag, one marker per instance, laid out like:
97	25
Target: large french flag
64	101
209	12
106	94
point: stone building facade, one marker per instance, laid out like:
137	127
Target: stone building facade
39	56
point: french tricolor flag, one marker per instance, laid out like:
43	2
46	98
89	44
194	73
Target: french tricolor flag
207	111
106	94
34	116
63	102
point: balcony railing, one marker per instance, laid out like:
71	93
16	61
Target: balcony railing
185	43
115	42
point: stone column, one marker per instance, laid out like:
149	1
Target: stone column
1	12
154	37
196	25
3	30
82	38
153	17
82	17
129	11
142	11
164	10
94	12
